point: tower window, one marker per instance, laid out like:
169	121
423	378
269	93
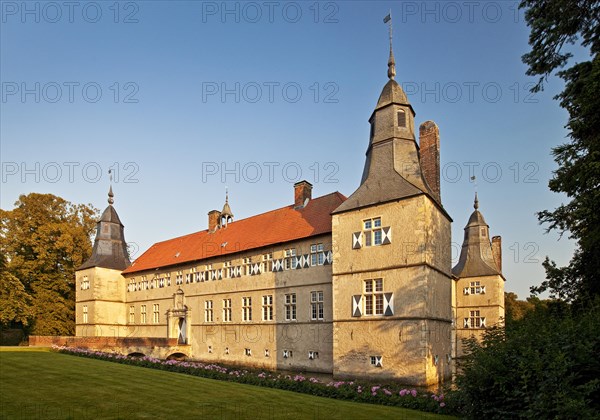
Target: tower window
401	118
372	129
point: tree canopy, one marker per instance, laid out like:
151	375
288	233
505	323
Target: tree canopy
556	24
43	240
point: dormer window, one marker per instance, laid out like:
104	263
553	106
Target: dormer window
401	118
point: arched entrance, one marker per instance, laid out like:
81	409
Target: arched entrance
177	318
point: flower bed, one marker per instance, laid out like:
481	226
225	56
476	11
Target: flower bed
390	394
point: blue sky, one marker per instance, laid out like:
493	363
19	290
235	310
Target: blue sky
185	98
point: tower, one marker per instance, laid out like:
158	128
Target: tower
392	280
226	215
100	287
479	292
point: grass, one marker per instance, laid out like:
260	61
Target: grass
43	384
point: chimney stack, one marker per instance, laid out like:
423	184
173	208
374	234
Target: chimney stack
302	194
497	251
429	143
213	220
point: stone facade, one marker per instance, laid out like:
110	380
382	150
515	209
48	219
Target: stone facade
357	287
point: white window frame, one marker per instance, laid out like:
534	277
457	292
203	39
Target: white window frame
317	310
208	311
267	308
246	309
226	310
290	307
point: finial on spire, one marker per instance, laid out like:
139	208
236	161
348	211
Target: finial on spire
476	202
391	60
110	191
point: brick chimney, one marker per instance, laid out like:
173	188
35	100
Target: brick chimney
213	220
429	143
302	194
497	251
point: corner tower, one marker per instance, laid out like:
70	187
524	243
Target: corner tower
392	280
479	292
100	287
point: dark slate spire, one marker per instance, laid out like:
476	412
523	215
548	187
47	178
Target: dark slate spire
392	166
110	248
476	256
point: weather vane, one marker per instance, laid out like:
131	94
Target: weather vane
391	61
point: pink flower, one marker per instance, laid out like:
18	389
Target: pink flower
414	392
443	404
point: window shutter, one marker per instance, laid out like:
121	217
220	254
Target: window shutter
483	289
483	322
328	257
466	291
378	361
466	324
356	305
386	235
357	240
388	304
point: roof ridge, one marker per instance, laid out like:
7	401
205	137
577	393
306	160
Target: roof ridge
339	194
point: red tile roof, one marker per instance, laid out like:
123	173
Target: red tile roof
273	227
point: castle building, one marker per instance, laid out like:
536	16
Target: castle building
358	286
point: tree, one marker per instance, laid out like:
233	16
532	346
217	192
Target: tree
546	365
516	309
554	25
43	240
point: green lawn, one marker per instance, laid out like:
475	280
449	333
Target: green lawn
47	385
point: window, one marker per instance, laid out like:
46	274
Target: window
267	308
317	257
290	307
247	352
288	354
179	278
143	314
401	118
208	311
132	314
210	349
372	129
247	265
313	355
475	288
85	314
227	266
291	261
372	232
267	262
155	313
373	297
376	361
316	305
226	310
475	320
188	278
85	283
267	353
246	309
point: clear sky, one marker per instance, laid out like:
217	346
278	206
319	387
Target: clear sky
186	98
